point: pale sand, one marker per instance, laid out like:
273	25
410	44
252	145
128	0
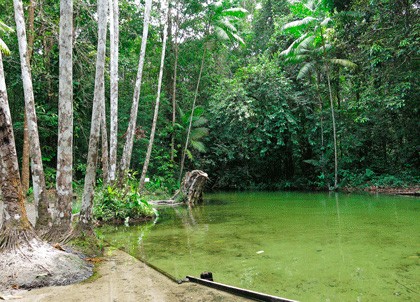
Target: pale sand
122	278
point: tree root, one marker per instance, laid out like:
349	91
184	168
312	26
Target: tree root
13	238
34	263
58	235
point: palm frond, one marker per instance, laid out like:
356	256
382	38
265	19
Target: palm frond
200	122
237	12
225	24
198	133
199	146
298	23
305	69
189	154
289	50
326	21
239	39
3	48
297	58
344	63
304	45
5	28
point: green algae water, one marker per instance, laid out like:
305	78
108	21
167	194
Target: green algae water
303	246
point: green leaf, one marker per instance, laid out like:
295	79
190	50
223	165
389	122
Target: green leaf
200	122
239	39
305	69
199	146
238	12
221	33
226	24
3	48
326	21
298	23
5	28
344	63
289	50
198	133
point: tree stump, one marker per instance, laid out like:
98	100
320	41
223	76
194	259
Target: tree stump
192	187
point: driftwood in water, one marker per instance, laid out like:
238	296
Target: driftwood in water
192	187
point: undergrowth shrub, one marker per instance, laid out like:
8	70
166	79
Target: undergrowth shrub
118	205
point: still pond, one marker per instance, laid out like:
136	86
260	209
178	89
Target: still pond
302	246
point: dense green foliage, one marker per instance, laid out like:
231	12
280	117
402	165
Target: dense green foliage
263	119
117	205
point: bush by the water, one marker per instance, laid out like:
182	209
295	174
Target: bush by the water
117	205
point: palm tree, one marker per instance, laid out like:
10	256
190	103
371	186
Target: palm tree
23	255
38	177
18	230
85	221
311	48
219	25
62	222
113	132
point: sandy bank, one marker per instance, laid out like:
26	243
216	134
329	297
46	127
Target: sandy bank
121	277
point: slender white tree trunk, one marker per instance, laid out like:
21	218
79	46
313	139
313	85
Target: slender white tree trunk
128	147
176	49
187	141
334	130
156	113
25	149
98	101
113	133
104	147
327	70
38	178
62	222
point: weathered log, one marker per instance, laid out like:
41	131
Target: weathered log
192	186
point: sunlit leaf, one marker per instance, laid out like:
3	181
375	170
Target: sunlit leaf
297	23
3	48
238	12
305	69
344	63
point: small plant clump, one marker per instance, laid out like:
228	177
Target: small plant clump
115	205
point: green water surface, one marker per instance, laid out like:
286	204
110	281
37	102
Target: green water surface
303	246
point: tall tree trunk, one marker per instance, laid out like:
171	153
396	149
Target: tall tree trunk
62	222
25	151
334	130
155	116
85	221
327	70
25	156
176	49
104	147
321	119
113	132
128	147
38	179
16	227
184	152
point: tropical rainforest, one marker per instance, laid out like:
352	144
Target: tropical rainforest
259	94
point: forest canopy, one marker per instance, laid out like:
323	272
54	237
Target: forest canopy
268	94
